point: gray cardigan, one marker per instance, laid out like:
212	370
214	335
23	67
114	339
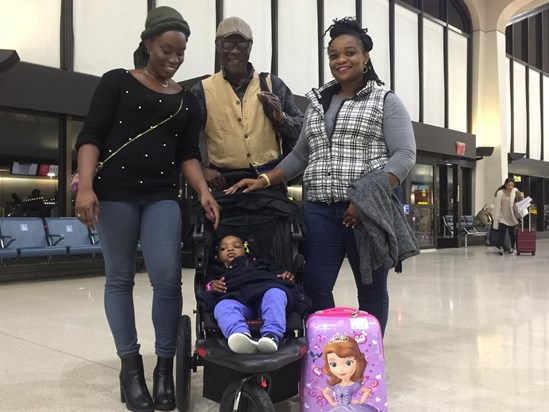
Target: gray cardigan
384	239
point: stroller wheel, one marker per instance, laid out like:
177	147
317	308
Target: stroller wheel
183	364
253	398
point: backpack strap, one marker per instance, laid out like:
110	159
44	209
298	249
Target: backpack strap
265	88
269	113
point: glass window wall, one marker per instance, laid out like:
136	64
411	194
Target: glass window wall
29	164
422	204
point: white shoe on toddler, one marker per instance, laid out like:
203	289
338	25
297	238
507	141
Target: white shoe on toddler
268	343
242	343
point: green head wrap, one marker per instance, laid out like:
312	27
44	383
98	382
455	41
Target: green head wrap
163	19
159	20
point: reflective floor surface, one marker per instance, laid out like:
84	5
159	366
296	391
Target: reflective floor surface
468	331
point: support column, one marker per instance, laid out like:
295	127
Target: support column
490	112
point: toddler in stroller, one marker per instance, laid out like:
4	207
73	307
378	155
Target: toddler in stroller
251	381
242	283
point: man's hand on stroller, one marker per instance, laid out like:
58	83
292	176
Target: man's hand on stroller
286	276
214	178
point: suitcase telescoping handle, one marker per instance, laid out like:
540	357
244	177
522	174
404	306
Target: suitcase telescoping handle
340	311
529	221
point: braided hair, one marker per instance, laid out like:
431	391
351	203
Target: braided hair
349	25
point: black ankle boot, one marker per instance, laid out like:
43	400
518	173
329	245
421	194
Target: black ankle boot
163	386
133	389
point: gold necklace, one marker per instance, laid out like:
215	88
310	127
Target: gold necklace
163	84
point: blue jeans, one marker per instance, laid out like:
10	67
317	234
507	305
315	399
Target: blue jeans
158	226
326	244
231	315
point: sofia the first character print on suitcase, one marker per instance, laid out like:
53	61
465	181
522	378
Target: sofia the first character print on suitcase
343	370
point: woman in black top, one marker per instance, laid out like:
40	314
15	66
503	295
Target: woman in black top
134	197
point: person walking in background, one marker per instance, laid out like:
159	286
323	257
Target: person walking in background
503	215
152	126
352	131
249	118
483	220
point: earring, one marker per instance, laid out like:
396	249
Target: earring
148	51
365	68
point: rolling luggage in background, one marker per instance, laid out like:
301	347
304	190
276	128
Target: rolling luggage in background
526	239
344	367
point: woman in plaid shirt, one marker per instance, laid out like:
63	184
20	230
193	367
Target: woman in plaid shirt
352	127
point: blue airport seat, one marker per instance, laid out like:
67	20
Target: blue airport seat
27	236
448	224
72	234
467	227
6	255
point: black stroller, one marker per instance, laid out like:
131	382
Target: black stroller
252	382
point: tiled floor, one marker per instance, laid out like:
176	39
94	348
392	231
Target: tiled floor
468	331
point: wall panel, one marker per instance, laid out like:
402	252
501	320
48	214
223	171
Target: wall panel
509	128
375	16
519	108
457	81
298	45
407	59
200	53
106	33
534	115
258	15
32	28
545	118
433	73
334	10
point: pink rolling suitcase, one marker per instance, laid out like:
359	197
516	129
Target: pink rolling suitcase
343	370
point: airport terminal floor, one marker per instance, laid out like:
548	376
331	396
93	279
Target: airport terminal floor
468	331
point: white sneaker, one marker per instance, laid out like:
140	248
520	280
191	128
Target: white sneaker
267	344
242	343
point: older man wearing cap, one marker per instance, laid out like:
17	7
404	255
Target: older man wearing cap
249	118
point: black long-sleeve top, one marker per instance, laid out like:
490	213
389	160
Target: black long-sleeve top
148	168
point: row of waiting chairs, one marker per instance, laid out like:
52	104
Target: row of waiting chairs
467	225
49	238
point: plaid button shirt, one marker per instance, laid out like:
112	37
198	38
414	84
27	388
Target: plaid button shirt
355	147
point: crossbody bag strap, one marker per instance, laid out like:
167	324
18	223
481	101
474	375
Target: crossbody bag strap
167	119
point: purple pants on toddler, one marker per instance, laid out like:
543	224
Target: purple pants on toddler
231	314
